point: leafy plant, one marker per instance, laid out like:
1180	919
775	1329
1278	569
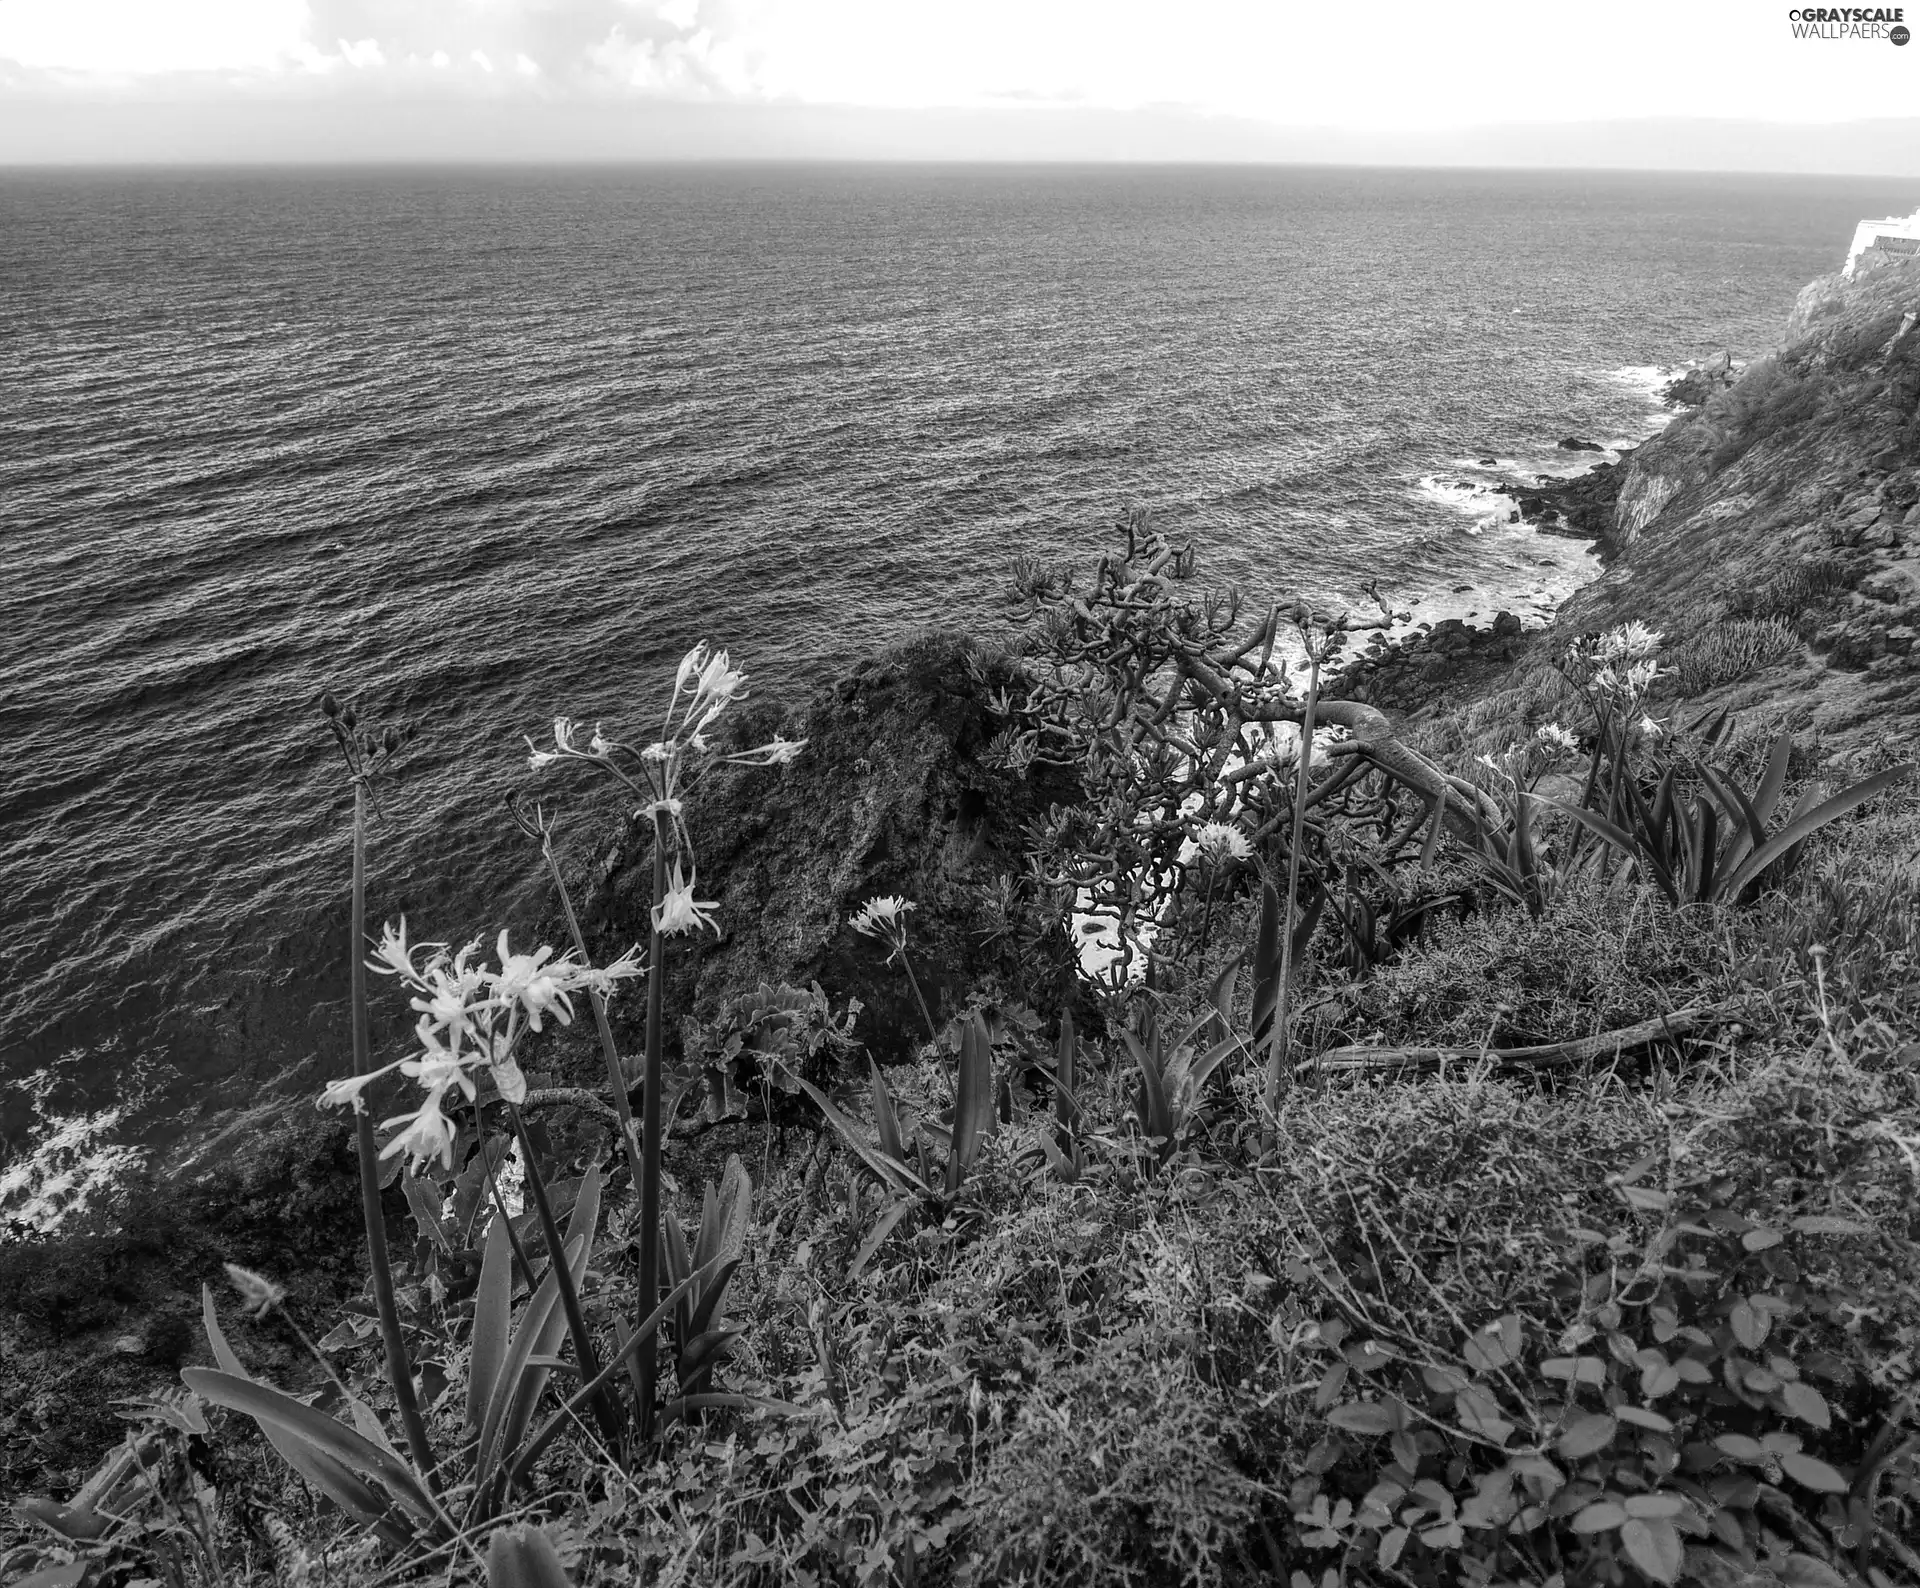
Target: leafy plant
761	1039
700	1276
926	1177
1674	1430
1678	842
1174	1074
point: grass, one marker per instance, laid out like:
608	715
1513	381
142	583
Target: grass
1176	1374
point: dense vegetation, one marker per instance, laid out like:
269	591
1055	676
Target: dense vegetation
1489	1157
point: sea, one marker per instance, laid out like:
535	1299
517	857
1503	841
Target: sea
474	447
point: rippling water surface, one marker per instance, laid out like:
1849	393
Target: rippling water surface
484	446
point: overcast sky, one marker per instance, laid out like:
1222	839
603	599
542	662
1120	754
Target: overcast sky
1717	82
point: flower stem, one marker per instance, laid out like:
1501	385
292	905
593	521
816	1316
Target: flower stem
1282	1040
616	1075
913	981
399	1369
602	1403
649	1276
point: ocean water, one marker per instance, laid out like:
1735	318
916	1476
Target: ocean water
477	447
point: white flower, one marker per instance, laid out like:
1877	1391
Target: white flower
337	1094
717	686
522	980
1650	728
1628	642
1220	842
428	1135
563	728
1556	738
1641	675
393	956
259	1295
680	911
881	916
603	979
776	752
539	759
884	917
599	743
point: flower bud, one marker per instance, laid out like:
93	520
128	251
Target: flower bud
349	716
329	707
390	740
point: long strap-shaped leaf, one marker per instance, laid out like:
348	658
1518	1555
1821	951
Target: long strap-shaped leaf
647	1332
1266	961
892	1173
972	1100
1156	1115
1804	826
346	1488
521	1383
492	1319
269	1407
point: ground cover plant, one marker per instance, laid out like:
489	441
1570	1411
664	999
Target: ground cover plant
1377	1220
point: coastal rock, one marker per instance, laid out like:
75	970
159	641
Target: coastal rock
1582	508
897	793
1575	444
1413	671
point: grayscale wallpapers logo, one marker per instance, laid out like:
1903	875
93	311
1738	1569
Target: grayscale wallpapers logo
1849	22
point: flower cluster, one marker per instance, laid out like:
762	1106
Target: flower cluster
1616	669
660	774
1555	739
471	1019
884	918
1221	843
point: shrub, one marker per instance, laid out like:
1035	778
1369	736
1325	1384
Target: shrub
1728	651
1770	397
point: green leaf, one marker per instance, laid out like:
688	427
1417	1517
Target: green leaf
1392	1542
67	1576
1603	1516
1740	1447
1330	1385
1575	1369
524	1557
1749	1327
521	1383
1804	826
886	1118
1812	1473
1808	1571
1821	1224
1362	1417
1807	1403
269	1407
1585	1435
724	1231
492	1317
883	1227
346	1488
1640	1417
972	1100
1158	1120
1266	962
1654	1546
1647	1506
891	1173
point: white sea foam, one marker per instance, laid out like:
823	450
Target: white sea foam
73	1160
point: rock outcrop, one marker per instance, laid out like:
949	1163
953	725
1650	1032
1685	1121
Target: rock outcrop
896	793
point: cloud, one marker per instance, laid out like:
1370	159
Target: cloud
366	55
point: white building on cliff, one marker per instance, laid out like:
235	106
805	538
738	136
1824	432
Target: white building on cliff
1895	235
